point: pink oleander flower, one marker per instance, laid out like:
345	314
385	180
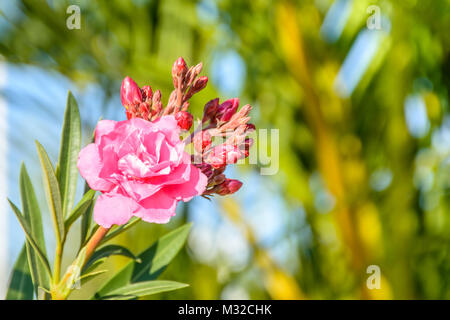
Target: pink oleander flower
142	170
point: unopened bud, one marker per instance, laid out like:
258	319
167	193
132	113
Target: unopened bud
184	120
197	69
218	179
250	127
229	186
144	110
227	109
156	97
210	110
179	67
147	93
200	83
130	93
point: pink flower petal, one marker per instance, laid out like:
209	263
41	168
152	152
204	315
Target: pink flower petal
194	186
113	209
158	208
89	165
103	128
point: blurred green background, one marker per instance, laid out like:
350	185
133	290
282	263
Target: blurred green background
364	133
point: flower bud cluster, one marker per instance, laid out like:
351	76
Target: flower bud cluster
224	121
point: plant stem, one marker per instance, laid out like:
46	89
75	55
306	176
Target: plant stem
58	260
58	293
95	241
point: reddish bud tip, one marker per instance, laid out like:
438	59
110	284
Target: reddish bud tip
200	83
144	110
210	110
227	109
147	93
250	127
229	186
179	67
130	93
184	119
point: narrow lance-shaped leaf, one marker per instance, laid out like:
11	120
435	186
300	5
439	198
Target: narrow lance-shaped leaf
26	229
154	260
91	275
109	250
86	221
80	209
121	229
93	266
146	288
52	192
20	285
68	154
32	215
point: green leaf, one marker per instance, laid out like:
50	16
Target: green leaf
93	266
80	209
68	154
52	192
154	260
146	288
32	215
91	275
110	250
21	284
121	229
86	221
26	229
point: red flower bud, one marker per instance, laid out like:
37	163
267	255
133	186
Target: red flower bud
200	83
229	186
147	93
210	110
144	110
179	67
202	141
220	178
227	109
130	93
184	119
250	127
